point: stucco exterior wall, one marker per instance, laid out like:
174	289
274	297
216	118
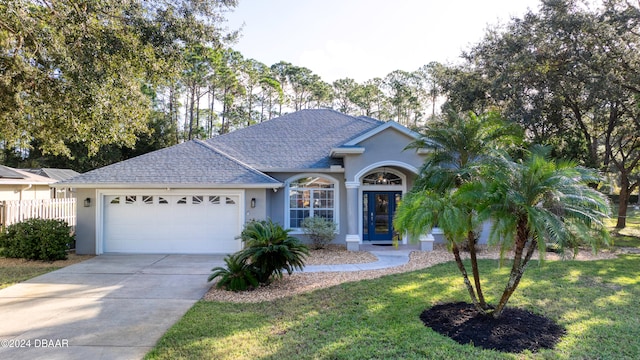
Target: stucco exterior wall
86	222
384	147
259	212
23	192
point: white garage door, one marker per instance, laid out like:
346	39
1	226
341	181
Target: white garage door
185	224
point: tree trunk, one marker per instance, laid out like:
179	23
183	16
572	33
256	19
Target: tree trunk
191	110
517	269
624	200
474	268
463	270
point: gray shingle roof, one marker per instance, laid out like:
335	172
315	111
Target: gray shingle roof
56	174
300	140
9	173
193	163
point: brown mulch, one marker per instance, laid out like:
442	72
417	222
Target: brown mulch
515	331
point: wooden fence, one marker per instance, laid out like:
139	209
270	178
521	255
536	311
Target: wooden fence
15	211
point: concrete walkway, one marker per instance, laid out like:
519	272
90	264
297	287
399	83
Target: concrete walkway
108	307
386	258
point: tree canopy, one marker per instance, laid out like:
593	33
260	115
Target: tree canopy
76	72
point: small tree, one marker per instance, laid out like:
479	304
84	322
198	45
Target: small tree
459	148
320	230
530	203
539	201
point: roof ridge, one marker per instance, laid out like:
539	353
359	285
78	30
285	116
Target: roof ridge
243	164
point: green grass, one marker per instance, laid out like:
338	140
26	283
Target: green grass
10	275
13	271
597	302
630	235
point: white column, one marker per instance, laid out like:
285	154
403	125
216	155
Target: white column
353	237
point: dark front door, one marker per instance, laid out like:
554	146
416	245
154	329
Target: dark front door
378	210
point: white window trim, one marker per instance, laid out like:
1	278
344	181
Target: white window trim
287	200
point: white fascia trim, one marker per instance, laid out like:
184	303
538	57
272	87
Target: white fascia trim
346	151
377	130
168	186
304	170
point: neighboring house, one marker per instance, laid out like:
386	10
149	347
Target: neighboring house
195	197
57	175
22	185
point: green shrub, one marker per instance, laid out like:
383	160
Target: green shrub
237	276
36	239
320	230
270	249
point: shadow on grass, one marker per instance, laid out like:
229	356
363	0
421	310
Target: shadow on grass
597	302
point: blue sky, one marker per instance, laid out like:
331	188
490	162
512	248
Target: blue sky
363	39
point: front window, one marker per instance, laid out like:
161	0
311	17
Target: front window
311	197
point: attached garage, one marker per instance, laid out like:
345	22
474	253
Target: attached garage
202	222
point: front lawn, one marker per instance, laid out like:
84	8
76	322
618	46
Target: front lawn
13	271
596	301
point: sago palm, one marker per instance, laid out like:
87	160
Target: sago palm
270	249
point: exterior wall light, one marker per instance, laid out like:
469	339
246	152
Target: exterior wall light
87	202
253	203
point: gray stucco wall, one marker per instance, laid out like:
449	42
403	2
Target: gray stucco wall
386	146
260	211
86	222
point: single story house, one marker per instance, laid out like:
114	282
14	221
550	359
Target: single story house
196	196
57	175
17	184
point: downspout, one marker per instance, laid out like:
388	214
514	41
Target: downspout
27	188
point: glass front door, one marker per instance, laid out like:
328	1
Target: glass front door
377	215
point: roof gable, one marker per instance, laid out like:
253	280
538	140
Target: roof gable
387	125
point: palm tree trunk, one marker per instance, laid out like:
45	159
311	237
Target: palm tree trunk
471	239
518	267
463	270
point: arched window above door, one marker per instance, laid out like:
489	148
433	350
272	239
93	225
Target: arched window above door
382	177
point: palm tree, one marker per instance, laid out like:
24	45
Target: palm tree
536	202
460	147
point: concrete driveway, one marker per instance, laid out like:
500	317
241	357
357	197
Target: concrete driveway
108	307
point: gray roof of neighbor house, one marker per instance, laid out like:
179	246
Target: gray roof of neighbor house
300	140
10	176
192	164
9	173
56	174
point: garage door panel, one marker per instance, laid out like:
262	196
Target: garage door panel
171	224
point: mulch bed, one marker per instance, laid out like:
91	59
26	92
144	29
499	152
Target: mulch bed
515	331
